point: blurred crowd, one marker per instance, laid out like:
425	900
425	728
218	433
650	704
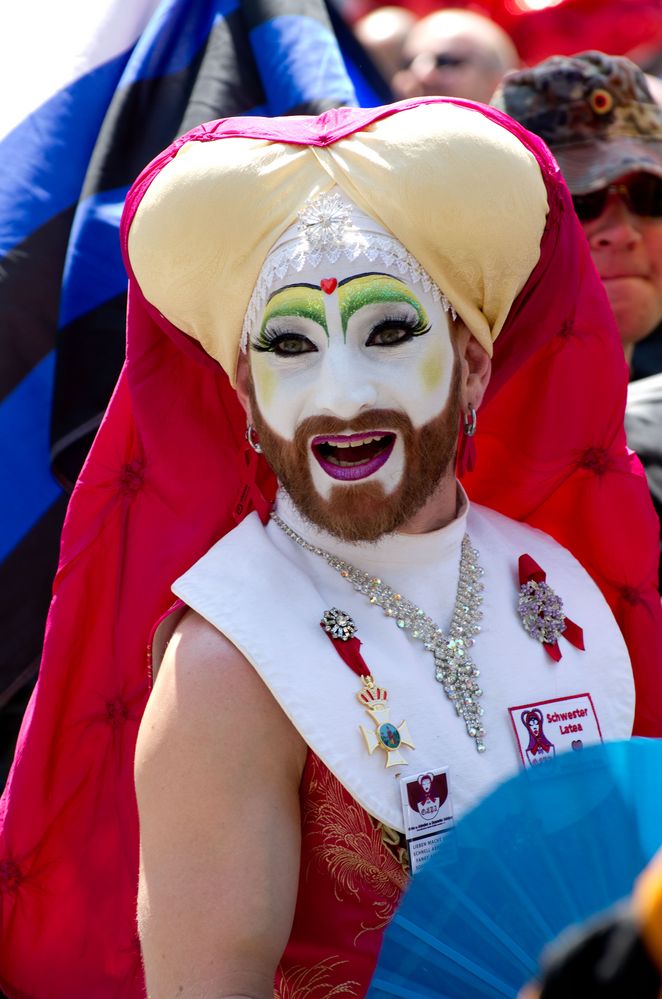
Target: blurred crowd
601	116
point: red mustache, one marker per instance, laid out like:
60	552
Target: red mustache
373	419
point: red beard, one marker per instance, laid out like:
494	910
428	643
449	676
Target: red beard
363	511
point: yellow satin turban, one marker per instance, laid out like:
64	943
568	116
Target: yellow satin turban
460	192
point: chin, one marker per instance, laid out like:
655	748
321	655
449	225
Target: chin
635	320
631	335
354	513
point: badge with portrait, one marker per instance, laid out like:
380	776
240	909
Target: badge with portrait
428	813
545	728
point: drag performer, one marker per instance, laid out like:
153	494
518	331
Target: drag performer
319	309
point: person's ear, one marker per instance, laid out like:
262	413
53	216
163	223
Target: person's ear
243	384
475	365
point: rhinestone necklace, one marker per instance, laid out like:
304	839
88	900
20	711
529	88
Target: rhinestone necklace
454	668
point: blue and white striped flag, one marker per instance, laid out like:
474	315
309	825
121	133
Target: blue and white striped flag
90	98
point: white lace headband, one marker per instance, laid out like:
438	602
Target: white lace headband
327	229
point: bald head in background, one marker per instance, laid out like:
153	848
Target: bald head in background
383	33
454	53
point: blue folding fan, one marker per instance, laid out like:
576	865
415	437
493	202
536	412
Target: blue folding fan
549	848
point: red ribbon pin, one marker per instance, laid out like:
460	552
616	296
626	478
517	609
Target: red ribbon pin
541	610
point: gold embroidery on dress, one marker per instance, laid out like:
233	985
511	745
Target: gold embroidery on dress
353	849
313	983
394	841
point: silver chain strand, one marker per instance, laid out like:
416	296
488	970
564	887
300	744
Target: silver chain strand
454	668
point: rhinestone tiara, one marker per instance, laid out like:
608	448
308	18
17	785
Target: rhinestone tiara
325	232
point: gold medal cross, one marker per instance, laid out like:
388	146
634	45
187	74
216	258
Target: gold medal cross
385	735
340	628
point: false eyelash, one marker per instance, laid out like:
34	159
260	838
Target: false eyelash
415	326
266	338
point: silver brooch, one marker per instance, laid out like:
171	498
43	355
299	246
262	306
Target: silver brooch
541	611
338	624
324	221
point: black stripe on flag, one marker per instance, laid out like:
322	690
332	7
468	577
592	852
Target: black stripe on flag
145	117
26	579
92	343
257	12
30	277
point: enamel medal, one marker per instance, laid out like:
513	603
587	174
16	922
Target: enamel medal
386	736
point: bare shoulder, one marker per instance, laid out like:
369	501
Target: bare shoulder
207	690
201	657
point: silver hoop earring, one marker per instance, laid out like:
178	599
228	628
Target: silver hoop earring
470	421
252	440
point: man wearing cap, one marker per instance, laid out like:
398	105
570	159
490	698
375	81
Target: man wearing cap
598	117
330	320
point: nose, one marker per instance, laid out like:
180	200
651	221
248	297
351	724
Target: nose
616	228
424	67
343	389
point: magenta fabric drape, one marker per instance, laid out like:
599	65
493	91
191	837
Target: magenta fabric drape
169	474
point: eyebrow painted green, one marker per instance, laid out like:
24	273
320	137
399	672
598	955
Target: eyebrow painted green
369	289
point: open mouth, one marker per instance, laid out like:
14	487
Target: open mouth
353	456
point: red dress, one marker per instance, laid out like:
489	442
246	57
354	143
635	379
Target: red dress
353	871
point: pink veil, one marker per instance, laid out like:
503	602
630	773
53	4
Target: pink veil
169	473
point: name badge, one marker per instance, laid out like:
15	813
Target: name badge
545	728
428	813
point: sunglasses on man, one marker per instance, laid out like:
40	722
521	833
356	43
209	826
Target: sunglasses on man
642	194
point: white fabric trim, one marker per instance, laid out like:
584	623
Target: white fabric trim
267	595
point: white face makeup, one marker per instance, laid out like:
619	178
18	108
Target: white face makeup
340	343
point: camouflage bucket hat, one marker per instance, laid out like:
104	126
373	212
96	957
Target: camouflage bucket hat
594	111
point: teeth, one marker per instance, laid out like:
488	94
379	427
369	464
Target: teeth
358	442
